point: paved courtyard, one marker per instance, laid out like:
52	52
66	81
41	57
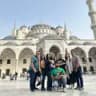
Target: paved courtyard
21	88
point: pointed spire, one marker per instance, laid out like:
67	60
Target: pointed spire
65	28
66	33
14	30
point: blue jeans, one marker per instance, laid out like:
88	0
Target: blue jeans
33	77
59	82
62	82
49	80
79	78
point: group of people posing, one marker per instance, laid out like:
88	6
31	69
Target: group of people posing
59	72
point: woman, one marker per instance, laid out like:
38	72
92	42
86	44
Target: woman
46	72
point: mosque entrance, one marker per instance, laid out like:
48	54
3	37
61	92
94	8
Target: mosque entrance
55	52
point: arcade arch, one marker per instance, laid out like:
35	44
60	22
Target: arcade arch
24	59
8	58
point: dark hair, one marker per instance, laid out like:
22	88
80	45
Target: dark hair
50	58
56	61
47	57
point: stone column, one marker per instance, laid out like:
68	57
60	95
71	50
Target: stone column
88	63
16	67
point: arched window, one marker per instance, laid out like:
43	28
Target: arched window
0	61
24	70
90	59
83	60
8	61
7	72
92	69
24	61
84	69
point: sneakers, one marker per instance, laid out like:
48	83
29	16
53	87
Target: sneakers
49	89
78	88
42	89
38	83
64	90
81	88
36	88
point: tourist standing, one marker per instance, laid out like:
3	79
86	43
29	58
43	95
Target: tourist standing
78	70
33	71
46	72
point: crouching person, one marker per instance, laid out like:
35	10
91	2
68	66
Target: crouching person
58	77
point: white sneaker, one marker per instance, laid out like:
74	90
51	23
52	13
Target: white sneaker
64	90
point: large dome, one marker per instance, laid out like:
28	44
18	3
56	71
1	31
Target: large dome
45	26
41	30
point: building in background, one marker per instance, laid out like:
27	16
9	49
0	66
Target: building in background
17	49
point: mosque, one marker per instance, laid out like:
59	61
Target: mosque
16	50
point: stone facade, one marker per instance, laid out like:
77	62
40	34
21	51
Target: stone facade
17	49
16	53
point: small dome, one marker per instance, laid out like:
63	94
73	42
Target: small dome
59	27
89	43
74	38
9	38
10	44
74	43
23	27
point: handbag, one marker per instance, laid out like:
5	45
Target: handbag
42	64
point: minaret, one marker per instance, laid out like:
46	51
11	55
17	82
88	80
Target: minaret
92	14
66	33
14	30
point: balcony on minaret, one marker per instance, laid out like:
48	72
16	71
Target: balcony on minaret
91	5
93	18
92	14
93	26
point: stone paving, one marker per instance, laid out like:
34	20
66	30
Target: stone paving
21	88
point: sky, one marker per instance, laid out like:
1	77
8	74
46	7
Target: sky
73	13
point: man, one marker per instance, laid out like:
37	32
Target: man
33	70
58	74
78	70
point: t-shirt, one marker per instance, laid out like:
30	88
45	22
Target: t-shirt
35	61
75	62
57	71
